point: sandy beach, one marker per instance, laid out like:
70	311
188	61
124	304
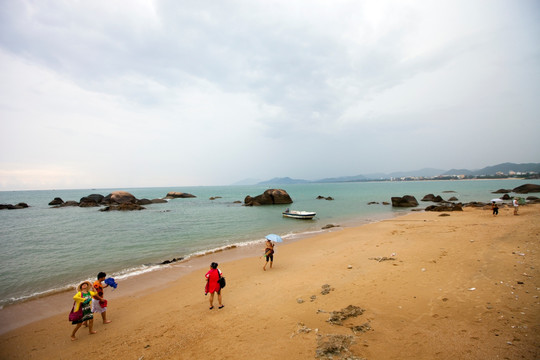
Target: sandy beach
420	286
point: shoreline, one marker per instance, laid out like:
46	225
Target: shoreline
23	312
139	270
459	286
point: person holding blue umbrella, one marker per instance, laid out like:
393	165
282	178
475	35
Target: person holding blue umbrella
269	249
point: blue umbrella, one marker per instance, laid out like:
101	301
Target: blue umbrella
274	238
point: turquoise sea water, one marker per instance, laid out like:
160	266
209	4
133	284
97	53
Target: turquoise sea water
46	249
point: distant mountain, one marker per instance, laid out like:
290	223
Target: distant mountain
507	167
458	172
504	168
342	179
247	182
283	180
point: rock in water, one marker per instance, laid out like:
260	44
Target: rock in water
405	201
269	197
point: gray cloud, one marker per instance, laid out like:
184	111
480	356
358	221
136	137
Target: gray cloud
343	79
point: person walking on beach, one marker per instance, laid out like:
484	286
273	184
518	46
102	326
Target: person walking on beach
99	304
268	253
495	208
212	284
83	297
516	206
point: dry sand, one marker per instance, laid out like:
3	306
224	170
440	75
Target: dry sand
463	286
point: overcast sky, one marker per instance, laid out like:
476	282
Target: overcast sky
130	93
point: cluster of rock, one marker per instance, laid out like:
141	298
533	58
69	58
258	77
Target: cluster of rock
410	201
523	189
527	188
117	200
445	207
450	205
269	197
13	207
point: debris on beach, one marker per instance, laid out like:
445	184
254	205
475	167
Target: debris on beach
329	226
301	328
300	301
326	289
383	258
365	327
337	317
334	346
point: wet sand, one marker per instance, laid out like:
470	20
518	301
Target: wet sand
421	286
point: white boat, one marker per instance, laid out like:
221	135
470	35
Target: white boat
308	215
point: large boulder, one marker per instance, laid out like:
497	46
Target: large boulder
431	197
527	188
120	197
98	198
91	200
405	201
269	197
56	201
87	202
176	195
502	191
